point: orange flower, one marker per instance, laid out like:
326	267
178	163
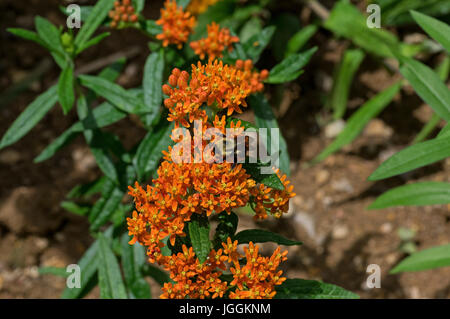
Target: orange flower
217	41
176	24
222	87
123	12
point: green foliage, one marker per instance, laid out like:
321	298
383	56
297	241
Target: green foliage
109	277
199	235
413	157
434	257
311	289
290	68
359	119
418	194
262	236
342	81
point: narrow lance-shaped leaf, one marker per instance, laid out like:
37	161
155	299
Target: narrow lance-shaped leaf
96	16
49	34
263	236
299	39
88	267
434	257
265	118
66	95
199	234
342	81
97	141
113	93
28	35
109	276
30	116
92	42
428	86
257	43
359	119
290	68
105	207
416	194
311	289
150	149
413	157
436	29
152	83
103	115
133	259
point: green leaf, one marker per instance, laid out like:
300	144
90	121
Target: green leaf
66	95
263	236
270	180
103	115
138	5
428	86
49	34
359	119
98	141
98	13
74	208
436	29
150	149
290	68
56	271
151	28
113	93
28	35
257	43
427	129
413	157
152	83
347	21
105	207
199	234
92	42
133	259
265	118
342	81
88	266
109	276
445	131
417	194
226	228
299	39
30	117
311	289
434	257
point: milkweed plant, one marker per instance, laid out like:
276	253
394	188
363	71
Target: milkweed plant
197	163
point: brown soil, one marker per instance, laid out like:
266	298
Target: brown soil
341	237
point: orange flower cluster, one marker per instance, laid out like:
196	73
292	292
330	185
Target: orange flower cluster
255	280
180	191
199	6
176	24
217	41
219	86
273	200
123	12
